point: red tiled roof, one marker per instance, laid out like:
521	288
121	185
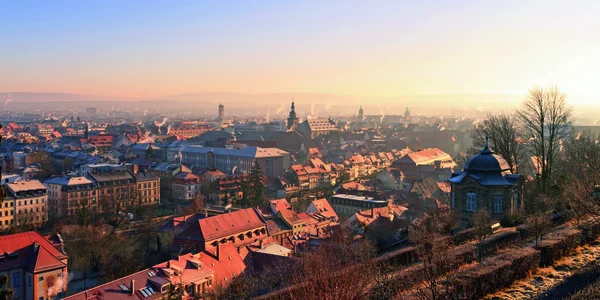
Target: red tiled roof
354	186
19	252
215	227
325	208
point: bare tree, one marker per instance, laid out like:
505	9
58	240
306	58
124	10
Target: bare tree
338	269
503	134
482	221
539	225
120	204
433	248
582	154
545	117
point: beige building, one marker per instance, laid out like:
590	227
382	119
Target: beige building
7	213
148	187
67	195
31	201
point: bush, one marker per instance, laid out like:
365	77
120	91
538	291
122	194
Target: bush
497	272
557	245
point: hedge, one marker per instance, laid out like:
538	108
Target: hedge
402	257
557	244
494	273
590	231
524	231
499	240
463	236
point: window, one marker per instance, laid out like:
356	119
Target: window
498	199
471	202
16	279
41	278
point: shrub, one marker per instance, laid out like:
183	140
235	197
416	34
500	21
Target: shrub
557	245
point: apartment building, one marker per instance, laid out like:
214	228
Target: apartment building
273	161
31	200
67	195
7	212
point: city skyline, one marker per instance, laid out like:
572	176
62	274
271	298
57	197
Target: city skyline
379	49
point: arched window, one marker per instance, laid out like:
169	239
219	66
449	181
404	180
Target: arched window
471	202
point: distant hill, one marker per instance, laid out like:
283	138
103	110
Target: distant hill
59	97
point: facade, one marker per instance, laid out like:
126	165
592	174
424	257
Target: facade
35	268
31	200
317	127
67	195
114	186
148	187
485	184
186	186
273	161
226	188
7	213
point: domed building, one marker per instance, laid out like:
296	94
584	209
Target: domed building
486	183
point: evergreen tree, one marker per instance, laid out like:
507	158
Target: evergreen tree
257	187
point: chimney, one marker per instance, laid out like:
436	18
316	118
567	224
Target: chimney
218	252
132	287
372	212
206	214
261	244
184	218
168	264
86	296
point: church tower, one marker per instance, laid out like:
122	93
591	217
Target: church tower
292	121
360	114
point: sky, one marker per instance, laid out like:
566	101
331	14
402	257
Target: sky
363	48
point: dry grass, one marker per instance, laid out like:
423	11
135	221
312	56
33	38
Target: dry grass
544	279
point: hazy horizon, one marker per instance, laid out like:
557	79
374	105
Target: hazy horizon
379	49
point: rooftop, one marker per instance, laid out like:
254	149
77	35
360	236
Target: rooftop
25	185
